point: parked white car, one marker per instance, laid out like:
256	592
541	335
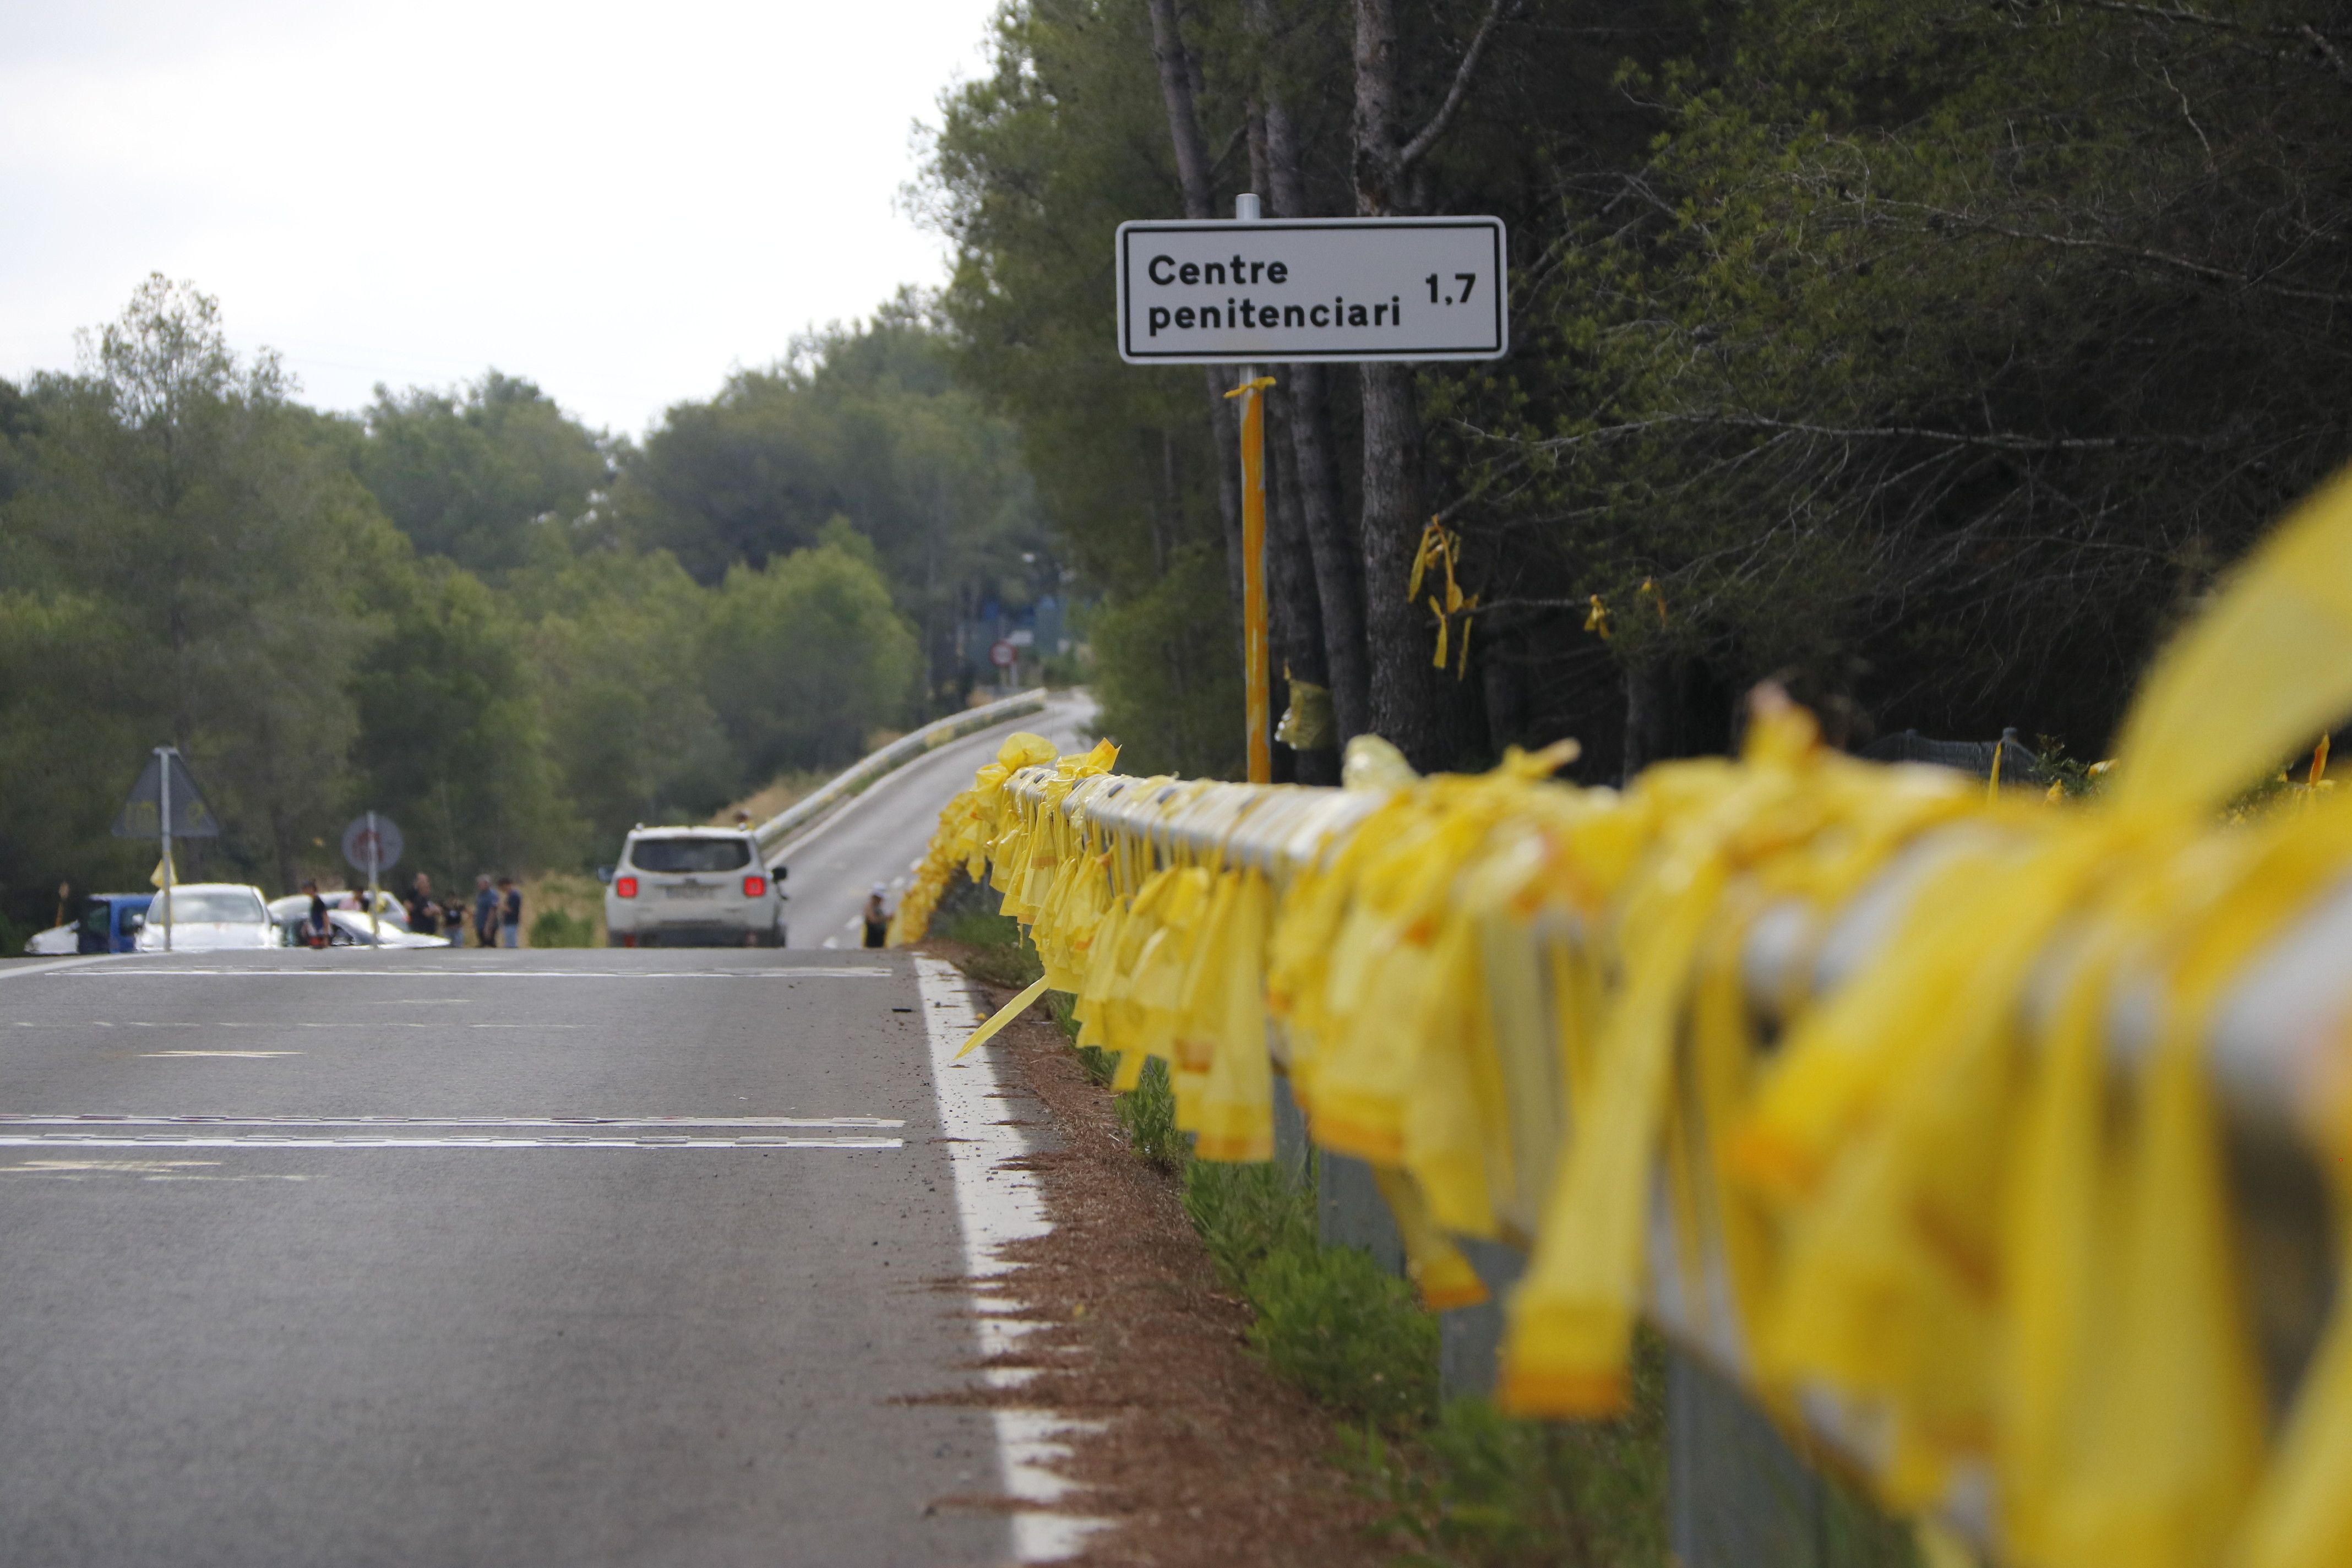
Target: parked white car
51	942
350	928
692	887
209	917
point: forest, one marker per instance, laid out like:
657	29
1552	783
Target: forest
516	635
1932	358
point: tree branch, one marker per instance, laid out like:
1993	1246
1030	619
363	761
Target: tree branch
1997	441
2161	259
1418	148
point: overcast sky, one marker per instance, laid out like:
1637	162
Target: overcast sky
619	202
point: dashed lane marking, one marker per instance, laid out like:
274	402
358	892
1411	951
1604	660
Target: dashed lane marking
586	1123
804	972
287	1141
242	1056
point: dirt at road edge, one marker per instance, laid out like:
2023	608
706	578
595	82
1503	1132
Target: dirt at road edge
1205	1460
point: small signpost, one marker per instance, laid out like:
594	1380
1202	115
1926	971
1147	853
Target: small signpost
1247	292
1312	288
1003	654
166	803
372	844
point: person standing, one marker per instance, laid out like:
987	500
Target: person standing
317	930
509	913
877	919
423	914
486	912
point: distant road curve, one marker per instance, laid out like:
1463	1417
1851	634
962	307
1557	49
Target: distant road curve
878	836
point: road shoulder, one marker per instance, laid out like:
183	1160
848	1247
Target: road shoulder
1201	1456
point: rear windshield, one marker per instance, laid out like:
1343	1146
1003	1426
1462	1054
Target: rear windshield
689	853
226	907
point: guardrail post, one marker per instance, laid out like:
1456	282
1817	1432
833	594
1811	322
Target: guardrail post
1290	1145
1471	1338
1738	1496
1350	1212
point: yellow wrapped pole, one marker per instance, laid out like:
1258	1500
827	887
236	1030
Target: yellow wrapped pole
1257	706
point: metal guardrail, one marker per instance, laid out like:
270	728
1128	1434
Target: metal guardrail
778	830
2286	999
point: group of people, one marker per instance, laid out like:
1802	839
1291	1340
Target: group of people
497	914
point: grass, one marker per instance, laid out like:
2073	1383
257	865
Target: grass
1459	1484
553	927
1476	1489
1329	1318
563	909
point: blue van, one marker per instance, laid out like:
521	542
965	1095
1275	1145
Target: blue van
108	922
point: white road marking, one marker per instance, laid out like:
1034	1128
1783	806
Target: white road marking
100	1119
152	1056
257	1023
14	970
804	972
998	1206
287	1141
145	1169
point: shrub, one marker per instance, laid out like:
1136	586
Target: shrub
1148	1113
553	927
1348	1332
1246	1213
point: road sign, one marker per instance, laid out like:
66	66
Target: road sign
1214	292
372	843
143	813
1002	654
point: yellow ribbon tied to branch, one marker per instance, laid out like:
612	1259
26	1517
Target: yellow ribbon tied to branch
1441	550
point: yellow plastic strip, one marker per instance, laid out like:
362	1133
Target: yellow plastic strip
1004	1014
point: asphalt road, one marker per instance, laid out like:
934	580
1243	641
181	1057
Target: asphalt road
877	836
258	1325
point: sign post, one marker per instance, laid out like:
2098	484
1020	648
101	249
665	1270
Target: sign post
163	824
372	844
1322	291
166	803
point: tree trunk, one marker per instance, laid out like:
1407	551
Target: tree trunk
1300	636
1192	174
1428	715
1304	394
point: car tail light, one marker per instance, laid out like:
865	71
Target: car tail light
625	886
755	887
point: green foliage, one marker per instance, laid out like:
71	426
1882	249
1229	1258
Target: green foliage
466	474
1147	1112
181	546
553	927
1335	1323
450	740
189	556
618	643
1246	1213
863	425
1034	164
1169	677
806	655
1328	1319
1478	1490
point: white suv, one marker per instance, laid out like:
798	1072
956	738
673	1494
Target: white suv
692	887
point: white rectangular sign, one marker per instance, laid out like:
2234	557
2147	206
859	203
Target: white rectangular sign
1218	292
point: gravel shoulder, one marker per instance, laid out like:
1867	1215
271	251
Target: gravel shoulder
1203	1455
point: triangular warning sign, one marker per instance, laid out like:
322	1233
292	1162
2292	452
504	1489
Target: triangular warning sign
143	813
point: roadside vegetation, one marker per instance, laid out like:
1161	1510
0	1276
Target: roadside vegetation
1460	1486
516	635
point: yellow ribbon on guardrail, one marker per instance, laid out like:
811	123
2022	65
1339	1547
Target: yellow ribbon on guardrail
1891	1096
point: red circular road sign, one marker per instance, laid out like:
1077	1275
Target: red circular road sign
1002	654
372	843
